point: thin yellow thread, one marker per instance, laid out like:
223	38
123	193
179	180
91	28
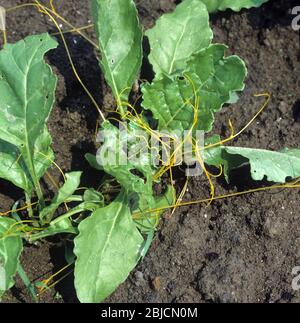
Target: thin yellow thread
56	186
207	174
181	195
46	281
276	186
21	228
78	30
55	283
195	107
54	163
18	210
46	11
52	6
219	174
231	137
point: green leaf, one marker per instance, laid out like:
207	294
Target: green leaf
233	98
10	250
93	161
67	190
120	40
294	152
213	156
148	221
43	156
178	35
63	223
133	176
10	168
214	78
13	167
93	196
232	162
236	5
107	249
276	166
63	226
27	87
26	281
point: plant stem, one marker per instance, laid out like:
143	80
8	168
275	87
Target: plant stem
121	109
46	234
28	204
52	230
35	180
40	195
74	198
76	210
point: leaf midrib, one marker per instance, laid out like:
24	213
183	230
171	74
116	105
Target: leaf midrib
176	47
27	144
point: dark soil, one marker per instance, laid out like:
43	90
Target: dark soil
241	249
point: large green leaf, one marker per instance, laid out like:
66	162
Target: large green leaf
10	250
276	166
68	189
107	249
214	78
236	5
120	39
27	87
178	35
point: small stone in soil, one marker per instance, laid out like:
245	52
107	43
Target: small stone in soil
139	278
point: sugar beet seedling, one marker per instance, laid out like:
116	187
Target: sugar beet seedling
193	79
